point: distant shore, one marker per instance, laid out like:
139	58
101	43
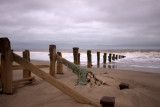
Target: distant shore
94	50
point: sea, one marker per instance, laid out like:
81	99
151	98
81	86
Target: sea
144	60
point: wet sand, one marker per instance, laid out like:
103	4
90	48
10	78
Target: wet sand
144	90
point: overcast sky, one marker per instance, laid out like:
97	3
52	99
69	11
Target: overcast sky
38	23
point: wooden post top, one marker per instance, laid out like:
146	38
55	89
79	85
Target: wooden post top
75	48
53	46
4	45
107	101
88	51
26	50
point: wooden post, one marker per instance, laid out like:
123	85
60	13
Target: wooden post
119	56
6	66
107	101
98	59
79	59
104	58
75	55
109	57
89	58
116	57
59	65
52	53
26	55
113	57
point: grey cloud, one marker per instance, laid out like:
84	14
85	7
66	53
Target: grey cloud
86	22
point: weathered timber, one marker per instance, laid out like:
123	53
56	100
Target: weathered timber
123	86
26	55
109	57
6	66
52	53
104	58
53	81
75	55
107	101
89	58
22	82
18	67
59	64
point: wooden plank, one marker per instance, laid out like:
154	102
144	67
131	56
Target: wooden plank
52	53
22	82
26	55
6	66
53	81
19	67
24	79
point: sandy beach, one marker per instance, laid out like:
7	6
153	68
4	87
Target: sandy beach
144	89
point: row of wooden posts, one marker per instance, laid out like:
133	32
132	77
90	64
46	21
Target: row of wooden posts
111	57
6	74
6	67
7	59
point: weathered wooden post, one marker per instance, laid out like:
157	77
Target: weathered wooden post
89	58
75	55
59	65
104	58
116	57
119	56
52	54
109	57
98	59
6	66
107	101
26	55
79	58
113	57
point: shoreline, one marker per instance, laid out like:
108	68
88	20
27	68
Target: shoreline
94	50
143	91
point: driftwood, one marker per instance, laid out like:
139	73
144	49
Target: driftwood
53	81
